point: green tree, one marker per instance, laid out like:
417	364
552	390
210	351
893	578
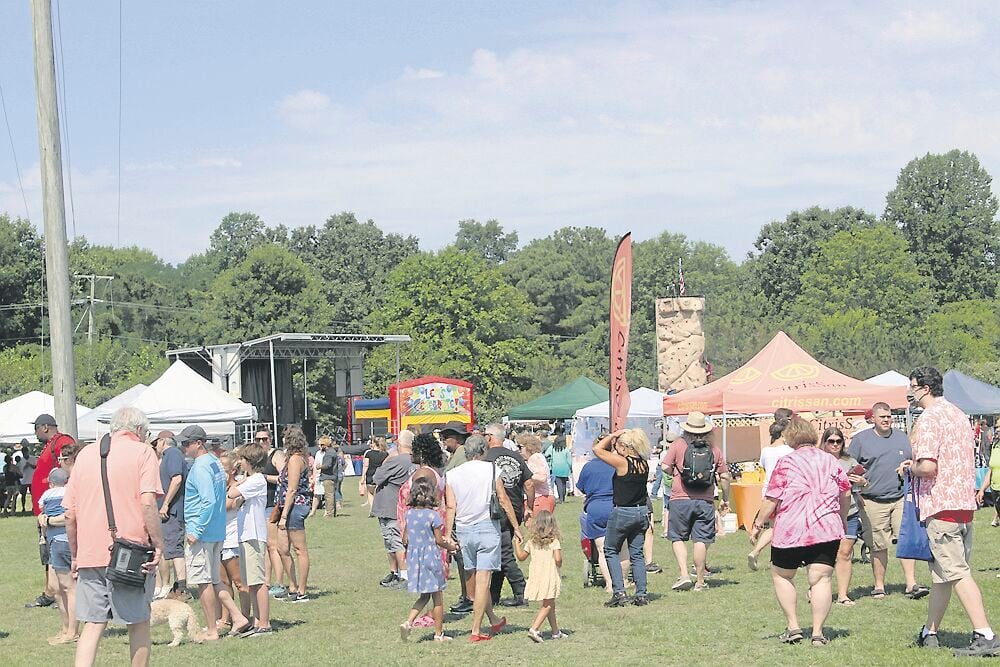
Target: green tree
22	280
963	332
944	206
487	238
466	321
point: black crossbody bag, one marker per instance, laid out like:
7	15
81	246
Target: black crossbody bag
127	558
496	509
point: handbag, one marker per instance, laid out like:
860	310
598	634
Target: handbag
127	558
913	541
496	510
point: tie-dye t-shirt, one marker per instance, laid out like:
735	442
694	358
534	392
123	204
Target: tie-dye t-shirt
808	482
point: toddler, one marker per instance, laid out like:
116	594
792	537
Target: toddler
543	572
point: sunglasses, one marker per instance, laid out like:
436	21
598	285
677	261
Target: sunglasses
834	441
261	439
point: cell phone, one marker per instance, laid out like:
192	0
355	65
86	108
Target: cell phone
858	470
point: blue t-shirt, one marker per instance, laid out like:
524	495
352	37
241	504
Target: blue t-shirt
51	504
205	500
595	482
171	465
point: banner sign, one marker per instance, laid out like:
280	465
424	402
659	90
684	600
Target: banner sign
435	398
621	321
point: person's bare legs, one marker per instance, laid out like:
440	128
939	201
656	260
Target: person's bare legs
939	599
602	564
762	541
845	554
209	600
820	583
227	584
700	556
180	569
418	606
478	585
66	598
647	545
880	561
553	623
681	554
909	573
232	568
298	539
273	563
437	612
139	644
543	613
86	646
784	590
284	551
972	601
226	601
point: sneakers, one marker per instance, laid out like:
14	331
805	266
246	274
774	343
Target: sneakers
558	635
702	587
653	568
682	585
389	579
463	606
516	601
278	591
42	600
752	562
297	597
617	600
979	647
534	636
929	640
640	600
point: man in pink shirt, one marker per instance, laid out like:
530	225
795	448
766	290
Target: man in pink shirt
944	465
134	479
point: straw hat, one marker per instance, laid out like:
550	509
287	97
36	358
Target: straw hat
696	423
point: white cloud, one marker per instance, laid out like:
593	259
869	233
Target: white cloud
421	74
929	28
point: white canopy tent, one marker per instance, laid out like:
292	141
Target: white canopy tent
645	412
889	379
180	397
88	427
17	416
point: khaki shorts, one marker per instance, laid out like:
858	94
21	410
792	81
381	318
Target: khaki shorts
884	519
252	561
951	546
97	598
204	560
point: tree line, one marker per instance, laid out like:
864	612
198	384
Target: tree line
863	292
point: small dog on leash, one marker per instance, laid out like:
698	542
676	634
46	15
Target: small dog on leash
178	615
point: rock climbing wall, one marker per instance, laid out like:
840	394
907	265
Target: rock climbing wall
680	343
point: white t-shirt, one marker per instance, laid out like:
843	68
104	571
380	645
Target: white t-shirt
471	483
232	540
252	519
769	458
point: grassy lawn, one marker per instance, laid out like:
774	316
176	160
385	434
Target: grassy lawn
353	621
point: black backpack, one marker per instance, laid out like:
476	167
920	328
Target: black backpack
699	465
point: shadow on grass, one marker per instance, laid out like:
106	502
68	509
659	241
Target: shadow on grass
4	635
285	625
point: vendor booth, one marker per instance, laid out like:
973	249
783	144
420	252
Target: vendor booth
87	426
17	415
561	403
430	401
645	412
975	397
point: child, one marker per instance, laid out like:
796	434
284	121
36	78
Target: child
543	573
231	576
424	541
53	523
251	518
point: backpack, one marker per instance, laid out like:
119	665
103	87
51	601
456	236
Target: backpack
698	471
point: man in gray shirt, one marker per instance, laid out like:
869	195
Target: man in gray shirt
880	451
389	478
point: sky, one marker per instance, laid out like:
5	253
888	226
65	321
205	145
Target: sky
709	119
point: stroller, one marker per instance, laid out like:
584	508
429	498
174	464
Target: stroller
591	569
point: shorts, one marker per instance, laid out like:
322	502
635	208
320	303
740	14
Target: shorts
391	538
480	546
692	520
229	554
60	558
97	598
884	518
297	517
252	561
853	531
12	490
792	558
203	559
951	546
173	537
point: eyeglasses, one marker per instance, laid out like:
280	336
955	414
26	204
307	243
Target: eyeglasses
264	439
62	458
883	416
834	441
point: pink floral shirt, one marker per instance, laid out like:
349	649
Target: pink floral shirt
943	434
808	482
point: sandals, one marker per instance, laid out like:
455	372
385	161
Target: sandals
442	638
404	630
878	594
917	592
819	640
790	636
846	602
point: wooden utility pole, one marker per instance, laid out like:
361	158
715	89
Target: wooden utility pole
54	215
91	301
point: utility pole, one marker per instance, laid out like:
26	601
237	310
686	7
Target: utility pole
90	308
54	216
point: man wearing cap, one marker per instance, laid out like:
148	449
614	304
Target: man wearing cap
205	529
692	510
171	507
53	441
453	437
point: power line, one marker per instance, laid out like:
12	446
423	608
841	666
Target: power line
61	74
17	168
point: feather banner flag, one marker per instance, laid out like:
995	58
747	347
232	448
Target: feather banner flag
621	322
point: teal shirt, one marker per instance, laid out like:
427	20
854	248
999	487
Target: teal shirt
562	462
205	500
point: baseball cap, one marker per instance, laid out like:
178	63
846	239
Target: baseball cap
45	420
191	433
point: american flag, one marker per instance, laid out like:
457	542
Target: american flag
680	272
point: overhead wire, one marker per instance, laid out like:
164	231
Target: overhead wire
64	115
17	167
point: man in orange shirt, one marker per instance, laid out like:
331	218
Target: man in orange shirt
134	480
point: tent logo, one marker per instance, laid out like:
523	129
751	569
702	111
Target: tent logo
793	372
748	374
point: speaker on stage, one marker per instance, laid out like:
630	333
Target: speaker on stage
309	428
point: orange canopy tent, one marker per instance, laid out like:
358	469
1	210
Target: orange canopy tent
783	375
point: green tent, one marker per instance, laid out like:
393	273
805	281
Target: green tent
562	403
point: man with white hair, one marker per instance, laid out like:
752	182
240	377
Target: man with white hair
388	479
134	482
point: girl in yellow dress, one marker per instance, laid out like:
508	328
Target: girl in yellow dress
543	573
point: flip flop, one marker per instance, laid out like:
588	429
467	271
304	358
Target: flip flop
846	602
236	632
917	592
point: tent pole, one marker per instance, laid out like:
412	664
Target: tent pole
274	393
725	450
305	391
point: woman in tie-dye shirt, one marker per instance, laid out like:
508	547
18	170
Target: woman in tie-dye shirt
809	496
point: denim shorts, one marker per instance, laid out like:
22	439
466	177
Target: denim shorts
853	531
60	558
297	517
480	545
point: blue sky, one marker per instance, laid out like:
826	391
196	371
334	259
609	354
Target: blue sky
709	119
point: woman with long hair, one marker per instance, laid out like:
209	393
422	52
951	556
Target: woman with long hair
562	466
531	450
809	497
834	443
295	497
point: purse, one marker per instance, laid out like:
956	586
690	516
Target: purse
913	541
496	509
127	558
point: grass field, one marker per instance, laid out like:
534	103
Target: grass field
353	621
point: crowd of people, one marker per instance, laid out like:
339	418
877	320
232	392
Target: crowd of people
183	515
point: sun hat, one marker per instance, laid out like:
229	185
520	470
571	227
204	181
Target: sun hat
696	423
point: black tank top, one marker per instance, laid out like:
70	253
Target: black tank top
630	489
270	469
